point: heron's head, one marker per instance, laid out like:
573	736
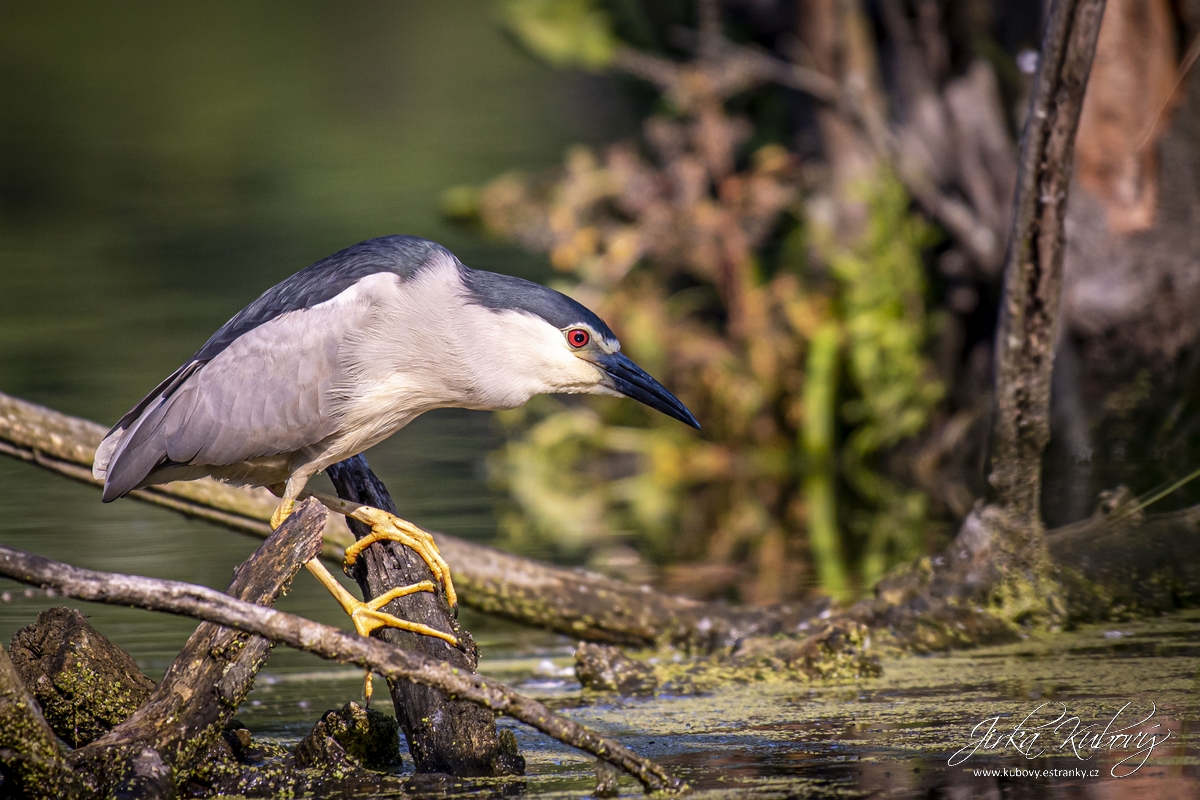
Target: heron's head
538	341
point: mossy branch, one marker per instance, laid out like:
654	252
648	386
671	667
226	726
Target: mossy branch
31	763
212	674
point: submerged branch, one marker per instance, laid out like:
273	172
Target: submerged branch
327	642
580	604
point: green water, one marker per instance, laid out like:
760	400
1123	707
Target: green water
162	164
892	736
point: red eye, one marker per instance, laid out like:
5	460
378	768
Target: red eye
578	337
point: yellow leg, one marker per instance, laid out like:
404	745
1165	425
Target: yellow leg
387	527
283	512
367	617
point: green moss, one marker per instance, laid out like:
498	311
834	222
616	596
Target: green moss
86	704
836	652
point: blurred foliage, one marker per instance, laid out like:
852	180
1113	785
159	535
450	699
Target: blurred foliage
563	32
881	283
802	358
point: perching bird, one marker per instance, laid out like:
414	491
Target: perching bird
343	354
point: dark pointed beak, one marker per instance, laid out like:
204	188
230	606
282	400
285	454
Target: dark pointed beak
632	381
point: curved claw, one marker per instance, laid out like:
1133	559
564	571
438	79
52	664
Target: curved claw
388	527
367	618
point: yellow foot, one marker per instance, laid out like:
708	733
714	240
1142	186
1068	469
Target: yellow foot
367	617
387	527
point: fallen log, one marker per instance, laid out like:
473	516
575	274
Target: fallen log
580	604
328	642
1115	566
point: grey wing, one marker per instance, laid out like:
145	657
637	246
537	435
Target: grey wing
268	392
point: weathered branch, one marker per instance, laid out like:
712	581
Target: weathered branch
212	675
328	642
444	735
581	604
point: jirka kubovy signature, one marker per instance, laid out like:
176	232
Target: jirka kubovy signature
1066	734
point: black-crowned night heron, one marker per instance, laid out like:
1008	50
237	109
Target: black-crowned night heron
343	354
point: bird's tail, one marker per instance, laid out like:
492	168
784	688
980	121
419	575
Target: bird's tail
114	446
104	452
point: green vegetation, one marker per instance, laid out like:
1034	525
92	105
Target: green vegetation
563	32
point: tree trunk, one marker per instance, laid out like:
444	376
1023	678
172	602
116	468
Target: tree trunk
1029	312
